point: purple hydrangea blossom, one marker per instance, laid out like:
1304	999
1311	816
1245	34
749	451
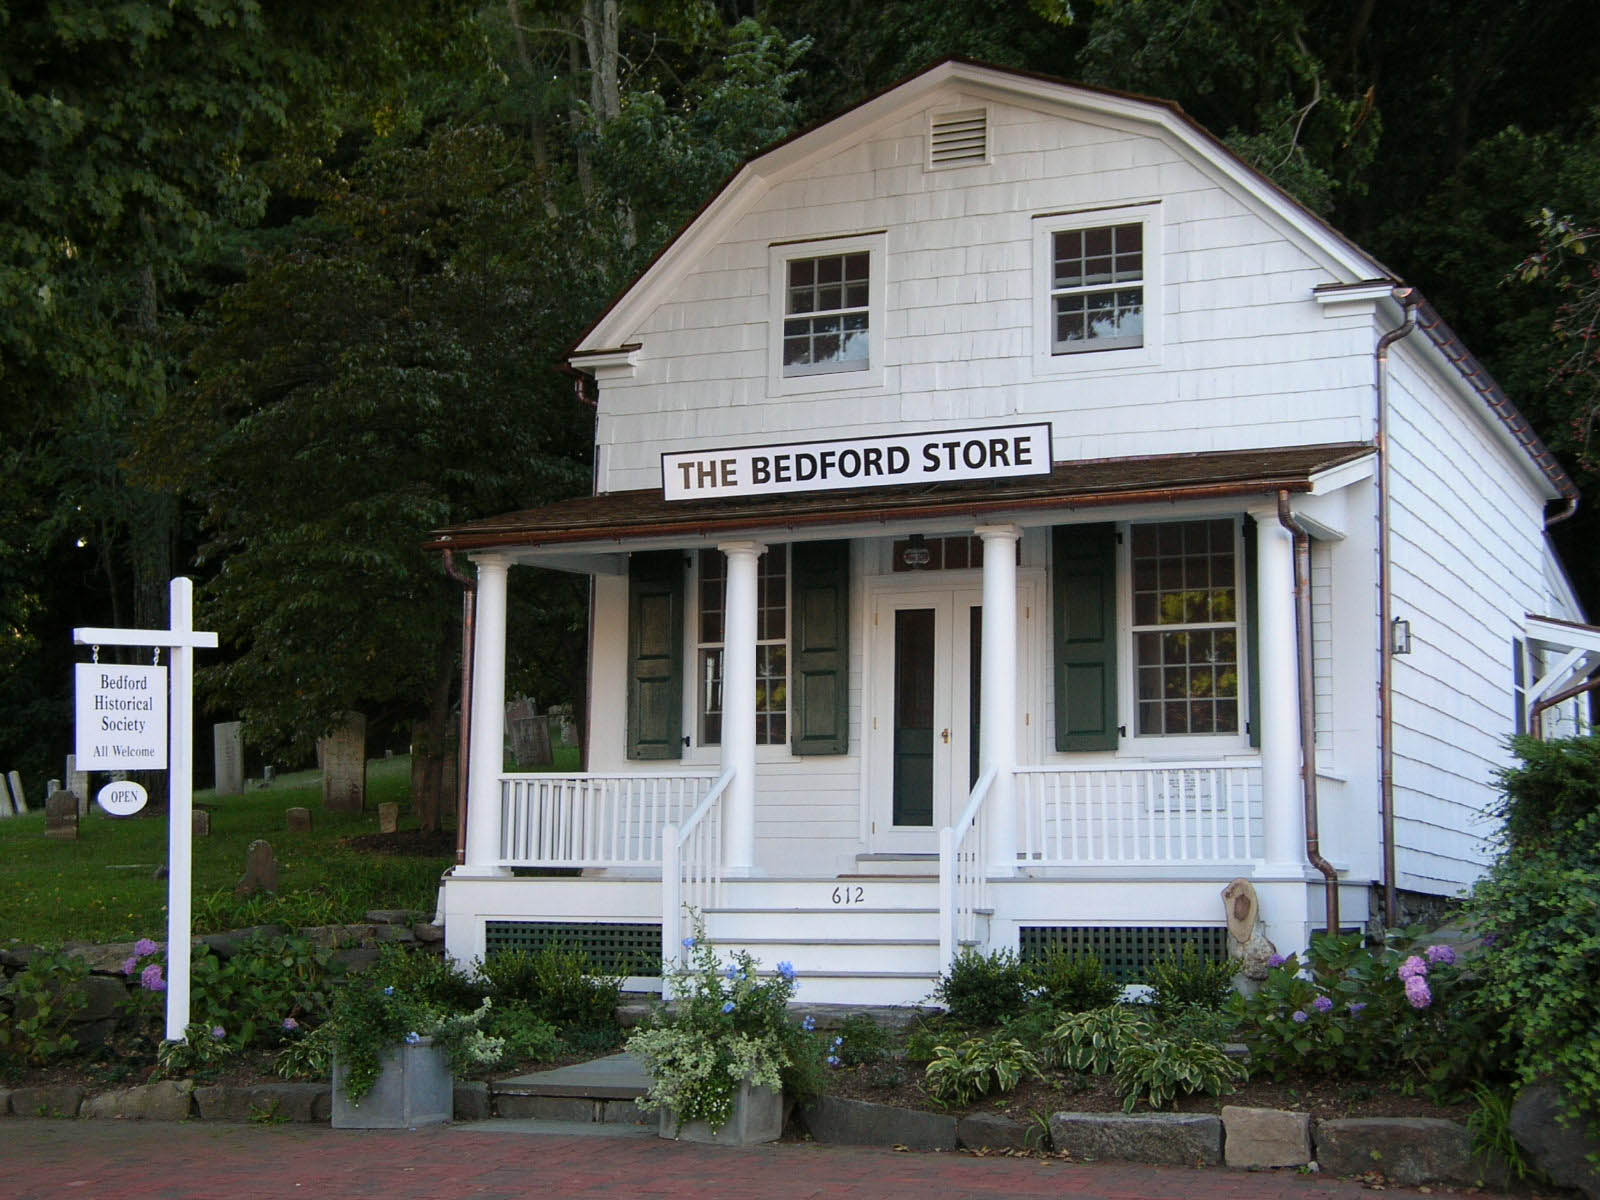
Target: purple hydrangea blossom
1322	1004
144	947
1441	954
290	1024
218	1032
150	979
1413	968
1300	1016
130	965
1276	960
1417	993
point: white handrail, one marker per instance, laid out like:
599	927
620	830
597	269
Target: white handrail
698	872
592	819
962	874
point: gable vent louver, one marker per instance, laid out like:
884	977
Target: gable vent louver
958	139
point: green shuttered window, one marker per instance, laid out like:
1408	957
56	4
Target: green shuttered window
655	655
1084	578
821	658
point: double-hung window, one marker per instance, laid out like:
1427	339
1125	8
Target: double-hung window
772	647
1185	630
827	329
1097	289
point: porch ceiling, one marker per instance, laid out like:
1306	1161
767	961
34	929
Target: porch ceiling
614	517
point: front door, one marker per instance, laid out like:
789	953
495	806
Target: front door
926	714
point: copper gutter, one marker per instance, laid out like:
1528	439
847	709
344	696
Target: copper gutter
1535	721
469	621
1308	710
1409	298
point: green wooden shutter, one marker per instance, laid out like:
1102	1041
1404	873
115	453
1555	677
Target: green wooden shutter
655	655
1252	633
1084	578
819	672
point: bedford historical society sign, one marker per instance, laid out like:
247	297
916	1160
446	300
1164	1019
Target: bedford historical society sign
952	455
122	717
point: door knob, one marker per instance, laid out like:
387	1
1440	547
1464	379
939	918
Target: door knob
945	734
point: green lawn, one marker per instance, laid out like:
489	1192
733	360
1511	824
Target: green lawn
101	887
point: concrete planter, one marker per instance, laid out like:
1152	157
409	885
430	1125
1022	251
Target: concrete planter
414	1088
757	1117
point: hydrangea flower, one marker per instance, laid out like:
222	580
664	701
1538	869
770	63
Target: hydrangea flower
150	979
688	943
1441	954
1276	960
389	991
144	947
1413	968
1417	993
837	1042
130	965
1322	1004
218	1032
833	1060
1356	1007
1300	1016
732	972
290	1024
727	1006
809	1024
786	969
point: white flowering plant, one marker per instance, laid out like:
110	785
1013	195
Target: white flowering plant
369	1020
727	1024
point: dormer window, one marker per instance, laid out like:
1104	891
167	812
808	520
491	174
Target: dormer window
826	314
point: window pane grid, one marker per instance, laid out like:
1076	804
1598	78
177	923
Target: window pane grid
772	636
1186	642
1087	314
825	313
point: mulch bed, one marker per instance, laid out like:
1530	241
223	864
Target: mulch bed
411	843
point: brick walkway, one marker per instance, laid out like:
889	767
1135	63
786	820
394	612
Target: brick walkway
214	1161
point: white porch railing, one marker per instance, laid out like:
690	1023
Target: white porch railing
1140	814
691	874
592	820
963	874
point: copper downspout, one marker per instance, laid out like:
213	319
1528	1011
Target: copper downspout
1308	707
469	615
1409	299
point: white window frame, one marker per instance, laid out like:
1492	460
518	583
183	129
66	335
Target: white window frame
779	255
1179	746
1045	226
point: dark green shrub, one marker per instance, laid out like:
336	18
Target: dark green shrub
864	1041
1070	982
982	991
558	983
429	977
528	1038
263	985
1189	977
1554	786
1539	970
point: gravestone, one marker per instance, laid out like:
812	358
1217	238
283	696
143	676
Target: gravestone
343	755
297	820
529	733
199	822
78	784
260	870
227	747
18	799
6	808
388	817
51	787
61	816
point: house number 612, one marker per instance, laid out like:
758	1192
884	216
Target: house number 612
849	895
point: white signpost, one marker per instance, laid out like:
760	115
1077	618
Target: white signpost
118	738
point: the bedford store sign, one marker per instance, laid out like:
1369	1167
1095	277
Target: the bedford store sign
948	456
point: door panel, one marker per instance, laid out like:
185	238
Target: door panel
914	681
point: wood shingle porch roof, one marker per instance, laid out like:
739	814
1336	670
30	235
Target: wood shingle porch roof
623	516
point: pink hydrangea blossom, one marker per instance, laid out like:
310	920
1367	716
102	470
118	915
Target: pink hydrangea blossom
130	966
1441	954
1417	993
144	947
150	979
1413	968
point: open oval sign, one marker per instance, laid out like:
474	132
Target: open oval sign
122	798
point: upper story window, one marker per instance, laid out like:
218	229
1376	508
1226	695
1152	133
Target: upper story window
1096	288
1186	627
826	314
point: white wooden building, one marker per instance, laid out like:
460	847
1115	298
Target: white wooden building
965	439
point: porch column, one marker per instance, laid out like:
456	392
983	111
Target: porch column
739	707
997	737
1283	810
488	720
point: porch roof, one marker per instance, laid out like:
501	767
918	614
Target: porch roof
622	516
